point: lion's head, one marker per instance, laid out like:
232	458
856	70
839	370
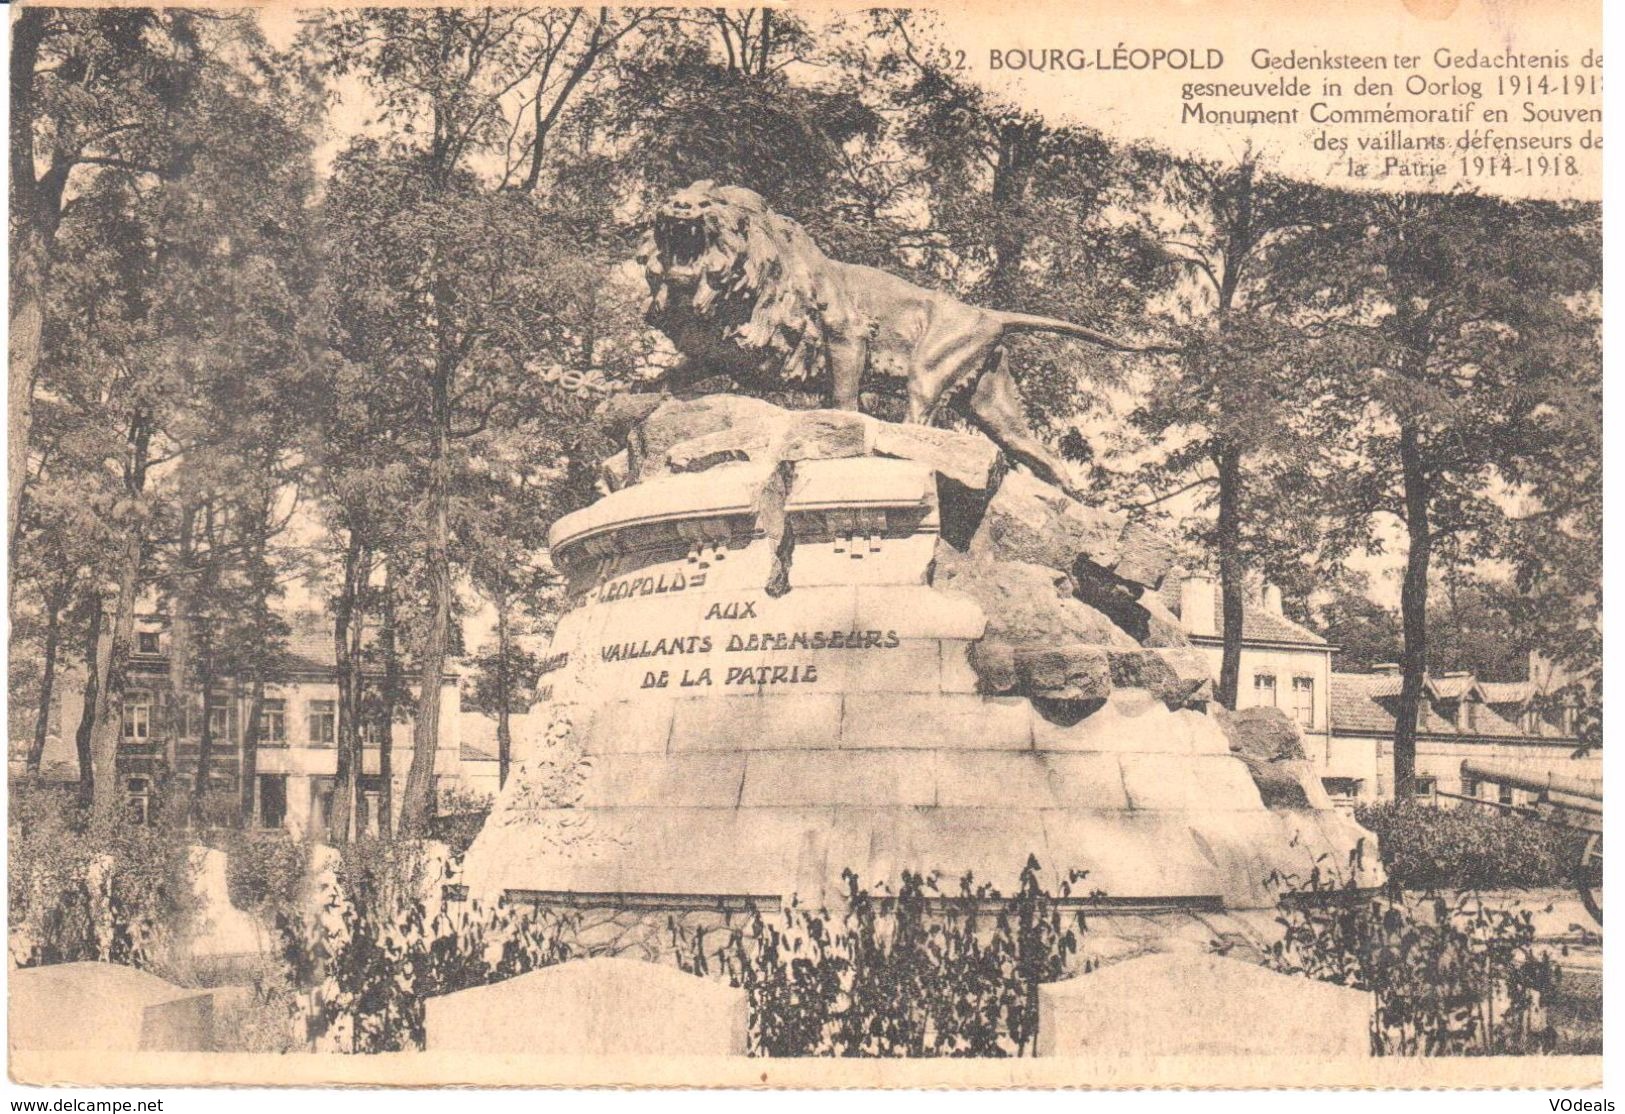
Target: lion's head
717	258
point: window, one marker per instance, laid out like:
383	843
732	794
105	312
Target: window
1469	787
1303	701
322	721
139	799
273	800
1505	796
273	722
146	642
1343	788
138	716
1264	690
1424	786
220	715
372	733
1469	717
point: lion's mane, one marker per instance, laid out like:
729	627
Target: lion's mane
759	289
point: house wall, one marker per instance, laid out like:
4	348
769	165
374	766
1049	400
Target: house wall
1284	663
306	763
1441	760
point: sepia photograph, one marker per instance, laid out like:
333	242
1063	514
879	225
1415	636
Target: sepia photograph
806	545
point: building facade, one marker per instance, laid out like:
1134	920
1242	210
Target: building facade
1348	719
1461	717
296	757
1283	665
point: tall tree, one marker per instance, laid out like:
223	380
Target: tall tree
1225	409
176	219
1447	309
448	287
93	93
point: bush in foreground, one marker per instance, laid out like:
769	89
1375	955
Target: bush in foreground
1469	847
1450	978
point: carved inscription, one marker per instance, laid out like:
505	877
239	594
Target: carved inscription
760	641
631	587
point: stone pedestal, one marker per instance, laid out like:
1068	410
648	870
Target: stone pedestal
591	1007
801	643
1201	1005
104	1007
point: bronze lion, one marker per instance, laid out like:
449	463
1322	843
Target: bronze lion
745	292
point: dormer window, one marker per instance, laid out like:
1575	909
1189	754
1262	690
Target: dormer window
1449	711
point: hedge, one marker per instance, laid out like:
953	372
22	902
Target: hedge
1470	847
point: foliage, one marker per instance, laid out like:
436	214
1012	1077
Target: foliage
378	943
461	815
265	870
1450	327
83	888
1450	978
1469	847
918	973
1366	633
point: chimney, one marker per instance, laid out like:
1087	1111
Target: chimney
1388	668
1272	598
1197	609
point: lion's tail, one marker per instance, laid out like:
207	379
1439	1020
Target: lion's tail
1033	323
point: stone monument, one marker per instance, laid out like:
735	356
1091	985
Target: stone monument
797	643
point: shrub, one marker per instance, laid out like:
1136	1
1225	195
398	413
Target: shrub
82	889
379	943
1450	978
914	974
264	870
458	819
1469	847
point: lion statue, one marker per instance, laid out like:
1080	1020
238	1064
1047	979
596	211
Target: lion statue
744	292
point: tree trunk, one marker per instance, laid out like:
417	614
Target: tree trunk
1413	602
260	655
95	659
180	627
504	696
418	806
247	784
347	767
104	741
205	738
1232	574
386	715
47	686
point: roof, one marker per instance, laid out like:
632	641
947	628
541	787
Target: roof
471	752
1355	708
1453	686
1368	704
1507	692
1258	623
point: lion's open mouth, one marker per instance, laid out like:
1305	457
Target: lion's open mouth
681	240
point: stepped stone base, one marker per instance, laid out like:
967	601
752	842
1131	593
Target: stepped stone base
788	655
